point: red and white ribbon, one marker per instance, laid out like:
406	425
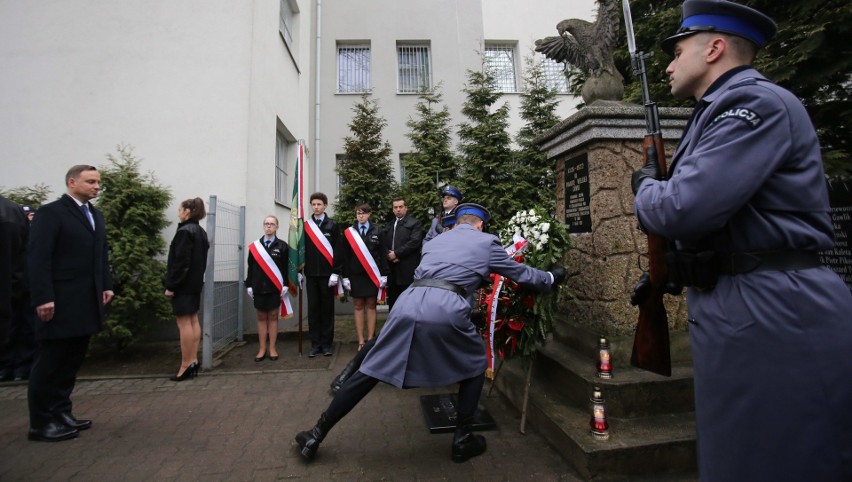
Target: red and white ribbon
366	259
271	269
515	250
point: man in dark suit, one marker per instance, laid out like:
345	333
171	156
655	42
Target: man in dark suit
70	284
13	238
322	236
402	240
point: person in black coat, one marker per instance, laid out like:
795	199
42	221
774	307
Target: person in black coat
70	283
185	268
402	240
321	239
358	279
13	242
264	291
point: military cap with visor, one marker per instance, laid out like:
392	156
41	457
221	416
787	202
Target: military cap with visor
724	17
451	191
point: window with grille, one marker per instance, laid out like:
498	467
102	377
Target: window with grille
338	161
283	149
403	177
415	71
285	23
500	63
353	68
554	74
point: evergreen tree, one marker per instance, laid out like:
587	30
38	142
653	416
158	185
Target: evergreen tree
134	206
432	160
487	166
32	196
810	55
536	174
366	174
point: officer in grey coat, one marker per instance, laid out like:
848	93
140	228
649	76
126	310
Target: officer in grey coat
747	204
428	339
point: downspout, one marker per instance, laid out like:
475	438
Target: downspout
318	87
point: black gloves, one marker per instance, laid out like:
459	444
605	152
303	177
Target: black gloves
643	289
651	169
558	273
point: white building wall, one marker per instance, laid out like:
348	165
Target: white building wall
196	86
456	30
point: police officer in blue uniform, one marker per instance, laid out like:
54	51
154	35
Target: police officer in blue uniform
747	206
450	199
428	339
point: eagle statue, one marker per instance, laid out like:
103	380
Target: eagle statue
588	47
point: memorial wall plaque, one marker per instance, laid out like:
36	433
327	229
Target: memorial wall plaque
578	215
839	259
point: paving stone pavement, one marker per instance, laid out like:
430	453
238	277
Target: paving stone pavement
236	426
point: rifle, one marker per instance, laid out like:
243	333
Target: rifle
651	349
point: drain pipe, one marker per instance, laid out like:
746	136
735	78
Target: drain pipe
317	111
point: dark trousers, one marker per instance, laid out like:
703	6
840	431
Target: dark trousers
394	290
53	376
16	357
357	387
320	311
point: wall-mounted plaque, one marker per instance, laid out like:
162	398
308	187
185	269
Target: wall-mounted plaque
578	215
839	259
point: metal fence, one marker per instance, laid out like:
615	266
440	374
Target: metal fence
222	322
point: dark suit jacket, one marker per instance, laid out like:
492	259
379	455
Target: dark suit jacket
315	263
256	278
409	238
68	264
347	263
13	238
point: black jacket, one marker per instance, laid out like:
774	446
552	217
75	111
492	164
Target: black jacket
187	259
409	239
13	240
347	264
315	263
256	278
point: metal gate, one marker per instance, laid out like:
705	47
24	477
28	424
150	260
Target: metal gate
222	316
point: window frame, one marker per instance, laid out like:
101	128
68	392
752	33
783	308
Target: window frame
414	50
510	66
364	83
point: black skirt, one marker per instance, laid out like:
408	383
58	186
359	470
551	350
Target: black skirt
186	303
267	301
362	286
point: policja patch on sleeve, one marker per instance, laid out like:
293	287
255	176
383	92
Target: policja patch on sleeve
750	117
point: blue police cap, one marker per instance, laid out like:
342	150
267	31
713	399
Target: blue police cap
449	219
475	209
451	191
725	17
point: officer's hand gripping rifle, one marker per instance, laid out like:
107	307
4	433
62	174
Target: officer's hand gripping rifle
651	349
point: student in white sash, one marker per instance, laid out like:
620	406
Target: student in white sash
364	273
264	290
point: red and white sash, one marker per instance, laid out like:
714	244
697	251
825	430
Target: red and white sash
366	259
515	250
324	247
271	269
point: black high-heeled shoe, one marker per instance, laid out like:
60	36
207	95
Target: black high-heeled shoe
190	372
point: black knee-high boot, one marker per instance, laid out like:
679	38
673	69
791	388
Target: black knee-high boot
466	444
355	389
351	367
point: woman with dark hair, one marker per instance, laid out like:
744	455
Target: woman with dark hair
266	284
184	279
364	268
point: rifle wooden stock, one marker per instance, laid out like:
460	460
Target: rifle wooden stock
651	349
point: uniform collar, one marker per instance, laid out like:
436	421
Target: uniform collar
734	75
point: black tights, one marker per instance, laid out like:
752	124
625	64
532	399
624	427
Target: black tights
359	385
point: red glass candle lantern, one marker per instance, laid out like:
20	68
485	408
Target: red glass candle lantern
598	423
604	362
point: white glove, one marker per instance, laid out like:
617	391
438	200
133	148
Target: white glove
383	282
284	291
332	280
250	292
301	278
346	285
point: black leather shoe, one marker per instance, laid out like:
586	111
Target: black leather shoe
309	441
52	432
71	422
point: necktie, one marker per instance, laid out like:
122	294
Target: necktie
84	208
393	236
363	231
268	242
